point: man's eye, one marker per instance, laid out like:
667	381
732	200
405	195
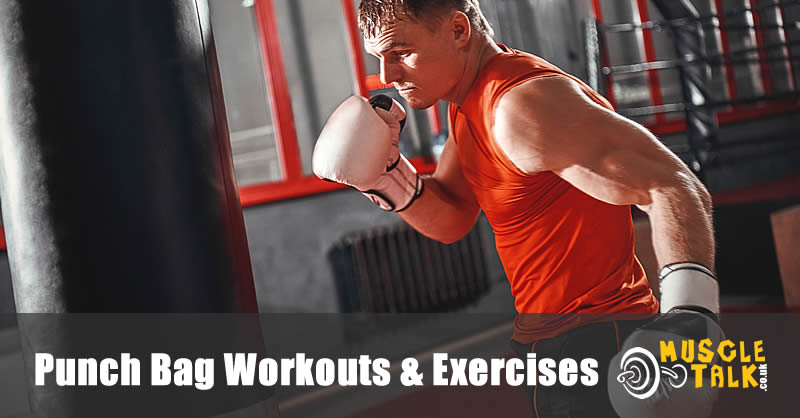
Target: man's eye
402	53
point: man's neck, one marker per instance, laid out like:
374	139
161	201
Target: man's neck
483	50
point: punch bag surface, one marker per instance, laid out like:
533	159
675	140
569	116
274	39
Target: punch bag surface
116	177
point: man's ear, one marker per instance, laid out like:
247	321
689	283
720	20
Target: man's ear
460	29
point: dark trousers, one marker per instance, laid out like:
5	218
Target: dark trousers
600	341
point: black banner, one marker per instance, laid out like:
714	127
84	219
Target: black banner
359	365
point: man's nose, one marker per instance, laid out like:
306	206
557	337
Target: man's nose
389	72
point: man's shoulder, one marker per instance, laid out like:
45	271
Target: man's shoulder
517	72
534	93
528	120
526	61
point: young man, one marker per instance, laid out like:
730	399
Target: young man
554	169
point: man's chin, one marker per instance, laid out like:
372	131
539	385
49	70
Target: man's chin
417	103
412	98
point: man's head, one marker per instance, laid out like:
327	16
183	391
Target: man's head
423	45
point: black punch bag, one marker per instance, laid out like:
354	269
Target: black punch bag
118	191
116	175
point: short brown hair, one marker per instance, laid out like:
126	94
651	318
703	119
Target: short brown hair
374	15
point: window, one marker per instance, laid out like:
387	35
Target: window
285	66
252	134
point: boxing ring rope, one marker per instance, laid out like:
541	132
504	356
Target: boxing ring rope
650	56
606	59
736	108
788	51
766	71
730	73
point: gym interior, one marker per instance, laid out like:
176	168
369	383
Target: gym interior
156	157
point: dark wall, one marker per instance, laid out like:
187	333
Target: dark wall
746	256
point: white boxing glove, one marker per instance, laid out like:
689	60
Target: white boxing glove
358	147
688	286
639	385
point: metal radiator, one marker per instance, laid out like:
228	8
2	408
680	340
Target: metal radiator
396	269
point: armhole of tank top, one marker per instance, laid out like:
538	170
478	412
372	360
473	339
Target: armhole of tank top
493	107
452	112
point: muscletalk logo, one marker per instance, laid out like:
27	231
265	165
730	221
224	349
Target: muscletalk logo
641	373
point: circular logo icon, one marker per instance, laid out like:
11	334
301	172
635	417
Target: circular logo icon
640	373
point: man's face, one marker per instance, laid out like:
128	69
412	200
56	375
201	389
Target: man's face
421	62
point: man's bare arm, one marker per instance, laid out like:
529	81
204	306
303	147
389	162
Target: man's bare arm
549	124
447	209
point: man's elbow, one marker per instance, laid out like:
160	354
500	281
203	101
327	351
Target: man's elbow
685	190
694	187
448	236
451	239
454	234
705	197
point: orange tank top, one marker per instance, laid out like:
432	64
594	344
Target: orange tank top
563	251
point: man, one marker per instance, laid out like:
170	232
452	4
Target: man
554	169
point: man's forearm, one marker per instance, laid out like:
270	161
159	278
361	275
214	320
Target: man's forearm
681	221
439	215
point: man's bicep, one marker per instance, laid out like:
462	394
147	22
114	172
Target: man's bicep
603	154
621	163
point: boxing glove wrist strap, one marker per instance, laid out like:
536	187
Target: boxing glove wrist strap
686	285
398	188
